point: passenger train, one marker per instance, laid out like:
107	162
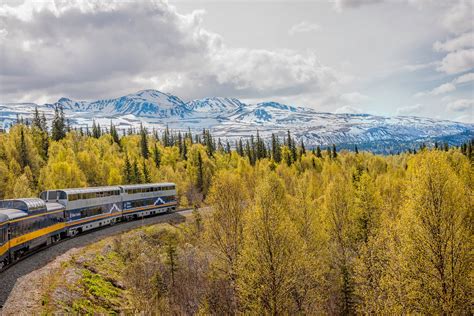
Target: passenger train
29	223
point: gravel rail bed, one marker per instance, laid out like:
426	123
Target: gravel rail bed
38	260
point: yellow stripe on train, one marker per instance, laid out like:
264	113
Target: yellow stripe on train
36	234
4	249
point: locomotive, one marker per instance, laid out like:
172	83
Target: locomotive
30	223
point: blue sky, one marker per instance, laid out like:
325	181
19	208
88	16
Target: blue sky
400	57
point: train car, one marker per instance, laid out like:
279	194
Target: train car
148	199
31	223
4	245
87	208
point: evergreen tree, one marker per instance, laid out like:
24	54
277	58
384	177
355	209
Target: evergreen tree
240	148
44	124
114	134
144	142
318	152
58	125
95	130
276	150
156	156
200	173
334	151
137	176
302	148
146	173
23	150
36	123
127	171
356	150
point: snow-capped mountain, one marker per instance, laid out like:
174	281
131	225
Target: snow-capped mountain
143	103
230	118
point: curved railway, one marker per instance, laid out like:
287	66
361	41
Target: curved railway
45	255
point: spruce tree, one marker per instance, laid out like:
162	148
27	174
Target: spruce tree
114	134
334	151
356	150
276	150
59	126
146	173
127	170
318	152
137	177
144	142
200	173
156	156
23	150
36	123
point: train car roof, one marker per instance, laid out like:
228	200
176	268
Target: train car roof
51	206
3	218
13	213
88	190
146	185
30	205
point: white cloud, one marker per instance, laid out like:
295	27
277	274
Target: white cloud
459	17
465	40
464	78
354	98
442	89
421	66
348	109
304	27
343	4
410	110
458	61
462	105
91	48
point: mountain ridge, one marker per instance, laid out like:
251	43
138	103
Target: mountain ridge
231	118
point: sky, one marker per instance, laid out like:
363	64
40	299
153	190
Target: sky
392	57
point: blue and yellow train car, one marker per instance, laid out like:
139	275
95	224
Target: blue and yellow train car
4	246
31	223
141	200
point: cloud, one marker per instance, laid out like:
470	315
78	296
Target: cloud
462	105
410	110
354	98
421	66
343	4
348	109
458	61
442	89
464	78
304	27
458	19
88	49
465	40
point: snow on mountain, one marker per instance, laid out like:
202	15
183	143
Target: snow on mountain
215	104
143	103
230	118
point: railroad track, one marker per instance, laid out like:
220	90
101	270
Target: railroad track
43	256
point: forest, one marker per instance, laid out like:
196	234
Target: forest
291	231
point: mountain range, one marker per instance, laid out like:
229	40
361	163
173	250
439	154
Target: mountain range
231	118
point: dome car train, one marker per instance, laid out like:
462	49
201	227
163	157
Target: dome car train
30	223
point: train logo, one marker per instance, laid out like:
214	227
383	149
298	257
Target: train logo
159	201
115	209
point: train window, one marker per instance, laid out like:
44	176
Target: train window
62	195
44	196
52	195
